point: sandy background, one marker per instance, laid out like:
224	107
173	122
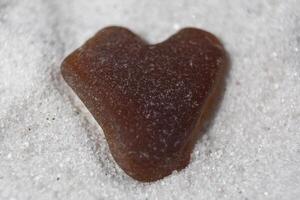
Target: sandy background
51	148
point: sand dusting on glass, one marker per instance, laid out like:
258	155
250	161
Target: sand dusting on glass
51	147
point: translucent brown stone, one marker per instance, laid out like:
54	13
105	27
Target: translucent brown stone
152	101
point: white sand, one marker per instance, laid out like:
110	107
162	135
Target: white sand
51	148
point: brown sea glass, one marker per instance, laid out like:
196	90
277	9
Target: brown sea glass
152	101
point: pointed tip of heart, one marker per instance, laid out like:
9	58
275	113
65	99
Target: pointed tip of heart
152	103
